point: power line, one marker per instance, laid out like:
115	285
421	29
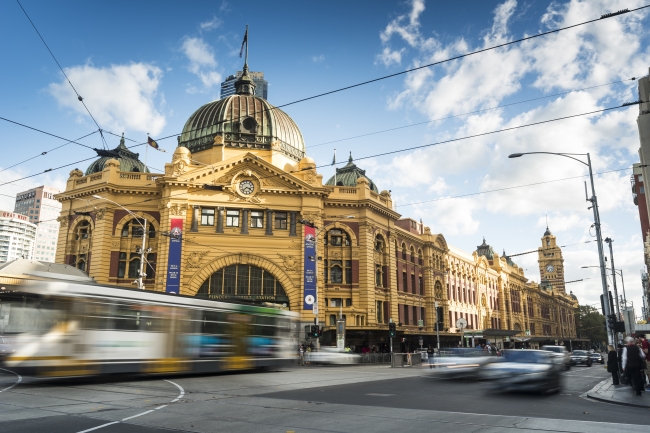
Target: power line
47	133
491	132
47	171
510	187
47	151
470	112
602	17
63	72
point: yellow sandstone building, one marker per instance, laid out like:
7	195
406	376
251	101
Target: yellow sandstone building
226	221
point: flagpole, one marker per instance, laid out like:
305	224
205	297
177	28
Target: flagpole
335	167
146	152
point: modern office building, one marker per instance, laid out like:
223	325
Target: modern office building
261	85
40	207
17	237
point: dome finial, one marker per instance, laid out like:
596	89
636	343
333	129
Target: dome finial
350	158
245	84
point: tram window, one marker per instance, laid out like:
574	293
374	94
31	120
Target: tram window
127	318
264	326
213	323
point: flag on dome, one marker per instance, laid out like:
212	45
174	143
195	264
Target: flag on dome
245	41
153	144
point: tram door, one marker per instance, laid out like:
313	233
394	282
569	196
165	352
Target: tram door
240	331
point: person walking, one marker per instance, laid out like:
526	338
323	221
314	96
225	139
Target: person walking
430	355
633	364
301	352
645	347
612	364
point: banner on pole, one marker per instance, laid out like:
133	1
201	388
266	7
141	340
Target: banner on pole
309	268
174	260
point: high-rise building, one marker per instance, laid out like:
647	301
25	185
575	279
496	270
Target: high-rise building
261	85
40	207
17	237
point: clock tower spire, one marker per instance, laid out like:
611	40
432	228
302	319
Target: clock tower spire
551	262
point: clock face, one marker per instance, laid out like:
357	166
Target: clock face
550	268
246	187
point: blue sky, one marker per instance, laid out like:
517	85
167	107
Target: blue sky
146	66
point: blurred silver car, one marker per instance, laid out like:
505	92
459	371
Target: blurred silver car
327	355
6	347
524	370
560	354
460	362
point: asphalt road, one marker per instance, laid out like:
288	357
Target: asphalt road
467	396
305	400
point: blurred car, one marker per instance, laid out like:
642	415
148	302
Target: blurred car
460	362
6	348
524	370
597	357
560	354
328	355
581	357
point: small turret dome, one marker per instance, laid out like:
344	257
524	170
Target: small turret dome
348	176
128	161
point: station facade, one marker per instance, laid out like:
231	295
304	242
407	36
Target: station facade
236	216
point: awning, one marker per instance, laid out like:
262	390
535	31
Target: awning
500	333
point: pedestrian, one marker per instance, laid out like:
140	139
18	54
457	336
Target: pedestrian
309	349
645	347
301	352
633	364
430	355
612	364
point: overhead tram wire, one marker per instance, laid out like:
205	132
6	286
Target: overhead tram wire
602	17
47	171
50	150
628	104
64	74
471	112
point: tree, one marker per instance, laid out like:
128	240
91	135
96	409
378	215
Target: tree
590	324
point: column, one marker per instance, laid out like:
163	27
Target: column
244	221
269	222
220	219
195	219
292	224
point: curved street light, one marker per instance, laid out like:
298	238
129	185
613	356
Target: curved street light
144	235
594	206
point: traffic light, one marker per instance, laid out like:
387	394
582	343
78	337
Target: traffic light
611	321
392	330
314	331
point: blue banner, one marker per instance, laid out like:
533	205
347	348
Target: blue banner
174	260
309	269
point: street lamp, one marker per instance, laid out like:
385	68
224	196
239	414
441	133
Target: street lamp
594	206
144	235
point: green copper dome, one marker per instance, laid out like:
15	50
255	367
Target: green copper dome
348	175
245	121
128	160
485	250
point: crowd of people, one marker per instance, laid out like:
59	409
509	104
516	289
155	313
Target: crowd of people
628	364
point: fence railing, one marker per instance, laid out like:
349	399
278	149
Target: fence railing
375	358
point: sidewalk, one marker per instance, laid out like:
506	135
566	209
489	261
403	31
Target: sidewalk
621	394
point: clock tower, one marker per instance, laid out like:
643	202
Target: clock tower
551	263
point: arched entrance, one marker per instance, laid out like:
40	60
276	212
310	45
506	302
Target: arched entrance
243	281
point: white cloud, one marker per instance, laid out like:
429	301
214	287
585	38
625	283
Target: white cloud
202	62
318	59
120	97
212	24
388	56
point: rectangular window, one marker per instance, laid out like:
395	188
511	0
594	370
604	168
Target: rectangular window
281	220
336	272
336	302
151	266
257	219
348	302
232	218
413	287
207	217
332	319
380	312
134	265
405	282
326	272
421	285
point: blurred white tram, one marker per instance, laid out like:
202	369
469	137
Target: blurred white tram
67	328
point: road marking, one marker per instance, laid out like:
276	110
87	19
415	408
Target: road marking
375	394
99	426
20	379
180	389
127	418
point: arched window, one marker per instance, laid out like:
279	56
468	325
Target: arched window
338	257
128	260
412	255
420	258
403	251
245	282
79	251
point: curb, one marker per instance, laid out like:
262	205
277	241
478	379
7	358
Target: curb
593	395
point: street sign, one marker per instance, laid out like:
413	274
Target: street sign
315	308
420	322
